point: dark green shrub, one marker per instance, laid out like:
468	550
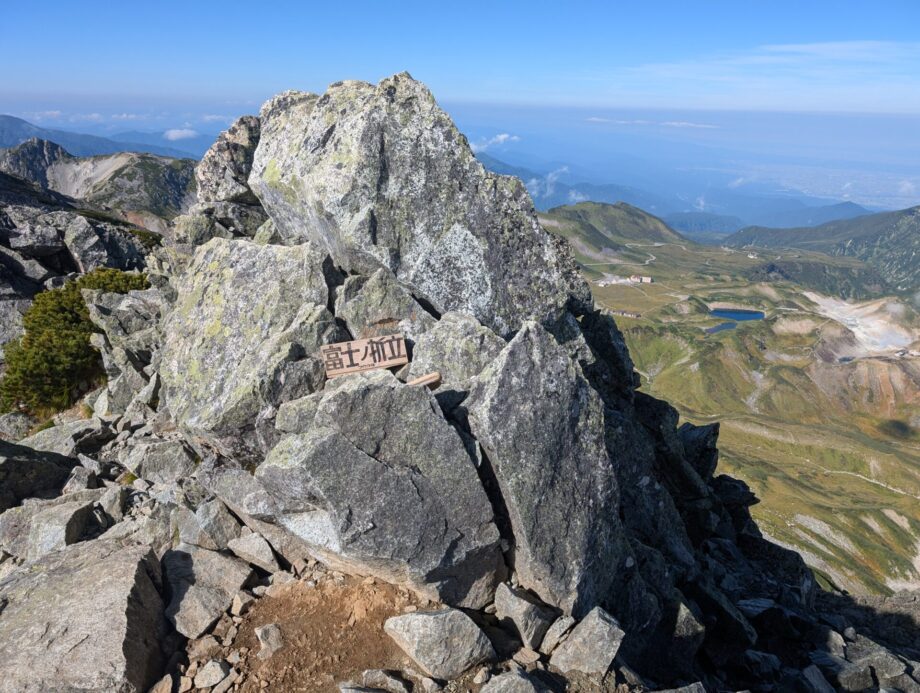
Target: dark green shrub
53	363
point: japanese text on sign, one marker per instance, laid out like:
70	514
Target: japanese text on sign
364	355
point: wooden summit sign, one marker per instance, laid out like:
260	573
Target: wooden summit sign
364	355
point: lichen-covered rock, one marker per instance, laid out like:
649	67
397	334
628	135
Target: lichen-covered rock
380	305
94	244
541	427
444	643
244	337
458	347
380	176
87	618
383	483
161	461
223	171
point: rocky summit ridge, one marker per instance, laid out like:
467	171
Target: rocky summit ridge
563	530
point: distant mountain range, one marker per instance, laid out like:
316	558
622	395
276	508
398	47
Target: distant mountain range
147	189
889	242
15	131
725	210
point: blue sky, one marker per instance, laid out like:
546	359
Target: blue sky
732	86
152	57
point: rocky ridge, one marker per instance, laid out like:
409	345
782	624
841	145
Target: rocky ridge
144	189
558	528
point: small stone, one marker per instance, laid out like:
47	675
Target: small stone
429	685
164	685
185	684
380	680
511	682
225	685
212	674
204	647
482	676
526	656
270	639
241	603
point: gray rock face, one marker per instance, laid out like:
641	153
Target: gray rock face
232	353
406	507
95	244
253	549
223	171
541	426
161	461
26	473
591	646
38	527
380	176
380	305
270	640
87	618
67	438
210	526
525	614
129	341
15	425
458	347
444	643
202	585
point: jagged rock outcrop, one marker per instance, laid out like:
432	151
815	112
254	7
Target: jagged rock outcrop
226	206
379	176
586	537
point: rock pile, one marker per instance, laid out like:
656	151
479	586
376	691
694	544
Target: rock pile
561	529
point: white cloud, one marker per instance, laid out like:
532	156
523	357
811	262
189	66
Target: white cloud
687	124
43	115
575	197
501	138
877	76
127	116
906	187
180	134
546	186
737	183
90	117
214	118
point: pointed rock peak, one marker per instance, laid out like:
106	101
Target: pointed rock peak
379	176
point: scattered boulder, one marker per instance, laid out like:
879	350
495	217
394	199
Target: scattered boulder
88	618
591	646
202	585
253	549
512	682
26	473
556	633
212	673
380	305
408	508
161	461
445	643
15	425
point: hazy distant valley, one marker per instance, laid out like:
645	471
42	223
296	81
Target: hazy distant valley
817	401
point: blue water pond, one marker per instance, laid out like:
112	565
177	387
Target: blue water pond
737	314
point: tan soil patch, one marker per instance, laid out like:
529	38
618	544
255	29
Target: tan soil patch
332	633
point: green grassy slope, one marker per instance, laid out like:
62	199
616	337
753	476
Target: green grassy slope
831	448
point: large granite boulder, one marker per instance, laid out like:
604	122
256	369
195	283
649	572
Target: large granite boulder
26	473
87	618
379	176
242	338
541	428
382	483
